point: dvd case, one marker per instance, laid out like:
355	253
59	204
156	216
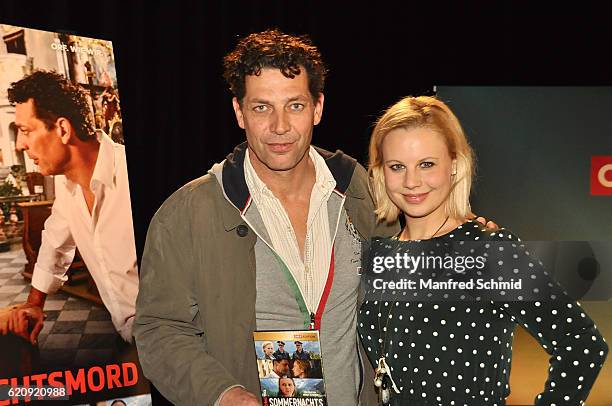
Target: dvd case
290	370
66	234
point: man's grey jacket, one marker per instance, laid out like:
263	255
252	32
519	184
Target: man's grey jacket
209	278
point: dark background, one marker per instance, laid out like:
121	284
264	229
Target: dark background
177	111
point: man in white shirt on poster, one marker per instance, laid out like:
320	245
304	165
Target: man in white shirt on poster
91	210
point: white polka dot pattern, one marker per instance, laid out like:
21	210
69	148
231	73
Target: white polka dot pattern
459	353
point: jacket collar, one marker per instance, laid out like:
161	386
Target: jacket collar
340	165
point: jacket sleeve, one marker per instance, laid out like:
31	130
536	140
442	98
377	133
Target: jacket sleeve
170	340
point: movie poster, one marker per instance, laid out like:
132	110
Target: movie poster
70	239
290	370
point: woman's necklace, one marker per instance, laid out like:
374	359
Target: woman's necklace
383	371
437	231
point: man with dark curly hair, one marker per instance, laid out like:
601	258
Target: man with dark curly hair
92	208
269	239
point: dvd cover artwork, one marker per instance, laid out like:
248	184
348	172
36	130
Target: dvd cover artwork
68	272
290	370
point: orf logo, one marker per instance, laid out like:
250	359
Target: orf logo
601	175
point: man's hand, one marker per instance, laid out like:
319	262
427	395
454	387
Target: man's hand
488	224
4	317
239	397
22	317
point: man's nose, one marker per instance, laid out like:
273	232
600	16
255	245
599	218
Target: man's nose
280	122
20	144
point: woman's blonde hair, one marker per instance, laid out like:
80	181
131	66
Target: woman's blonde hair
422	112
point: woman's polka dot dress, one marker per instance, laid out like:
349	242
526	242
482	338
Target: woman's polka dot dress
460	352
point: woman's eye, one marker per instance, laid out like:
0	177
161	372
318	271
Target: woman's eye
427	164
396	167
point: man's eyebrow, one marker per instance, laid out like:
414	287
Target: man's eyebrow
296	98
259	101
288	100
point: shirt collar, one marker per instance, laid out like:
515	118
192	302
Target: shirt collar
255	185
324	179
342	167
104	171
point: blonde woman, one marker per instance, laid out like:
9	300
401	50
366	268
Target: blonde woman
268	350
447	352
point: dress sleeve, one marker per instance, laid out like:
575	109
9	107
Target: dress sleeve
562	328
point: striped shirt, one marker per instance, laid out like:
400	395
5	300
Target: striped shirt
311	272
